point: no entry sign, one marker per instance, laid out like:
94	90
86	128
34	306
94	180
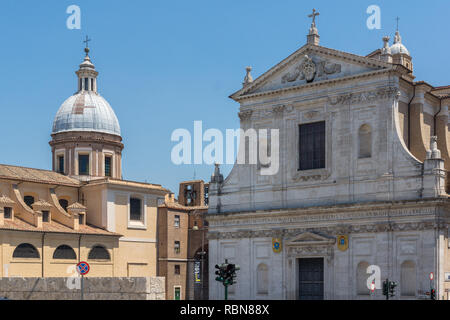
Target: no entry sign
83	268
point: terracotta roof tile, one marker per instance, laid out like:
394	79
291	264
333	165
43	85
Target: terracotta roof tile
35	175
54	227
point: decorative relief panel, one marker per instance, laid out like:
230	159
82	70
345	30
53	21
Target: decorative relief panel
408	247
362	97
310	70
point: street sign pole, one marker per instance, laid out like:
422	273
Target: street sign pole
226	292
83	268
82	287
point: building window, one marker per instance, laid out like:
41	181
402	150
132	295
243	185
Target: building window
64	252
81	219
83	164
177	247
177	269
61	164
176	221
262	275
108	166
206	195
29	200
26	250
408	279
99	253
64	204
190	195
365	141
7	214
312	146
136	209
86	84
45	216
361	278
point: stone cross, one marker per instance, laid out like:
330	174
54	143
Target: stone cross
87	41
313	16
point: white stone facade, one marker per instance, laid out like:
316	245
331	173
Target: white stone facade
392	206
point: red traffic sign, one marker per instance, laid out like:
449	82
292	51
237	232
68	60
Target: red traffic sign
372	286
83	268
431	275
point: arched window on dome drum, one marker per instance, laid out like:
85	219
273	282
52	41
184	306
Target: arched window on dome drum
26	250
99	252
29	200
83	164
61	164
64	204
64	252
108	161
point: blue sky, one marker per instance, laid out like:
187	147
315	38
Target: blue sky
165	64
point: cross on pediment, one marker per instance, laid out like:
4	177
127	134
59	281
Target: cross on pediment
313	16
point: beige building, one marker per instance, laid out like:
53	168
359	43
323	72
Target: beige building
182	252
82	210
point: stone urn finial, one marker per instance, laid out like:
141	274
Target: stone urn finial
248	77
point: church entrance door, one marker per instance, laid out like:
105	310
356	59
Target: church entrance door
310	279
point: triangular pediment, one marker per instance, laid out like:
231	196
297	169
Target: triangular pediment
308	238
311	64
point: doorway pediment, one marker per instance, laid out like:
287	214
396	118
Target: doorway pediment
310	238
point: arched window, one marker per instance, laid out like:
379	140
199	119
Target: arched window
64	252
99	253
365	141
262	274
361	278
408	278
26	250
64	204
29	200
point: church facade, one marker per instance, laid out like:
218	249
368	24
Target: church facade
361	188
82	210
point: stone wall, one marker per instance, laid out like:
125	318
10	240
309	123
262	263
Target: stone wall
149	288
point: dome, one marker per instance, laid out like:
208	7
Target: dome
86	111
398	47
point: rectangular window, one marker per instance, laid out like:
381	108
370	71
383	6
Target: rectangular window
107	166
86	84
61	164
177	269
177	247
83	164
177	222
81	219
7	213
135	209
45	216
312	146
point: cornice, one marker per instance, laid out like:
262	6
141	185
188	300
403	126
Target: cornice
333	231
321	83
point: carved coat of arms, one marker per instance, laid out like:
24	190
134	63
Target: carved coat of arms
308	68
